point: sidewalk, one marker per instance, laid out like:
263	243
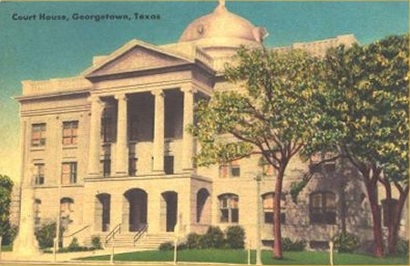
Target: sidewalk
7	256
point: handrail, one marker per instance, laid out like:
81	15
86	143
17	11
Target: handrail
78	231
140	232
113	232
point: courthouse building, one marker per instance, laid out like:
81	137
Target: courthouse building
108	150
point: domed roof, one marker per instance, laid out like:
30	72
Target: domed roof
221	24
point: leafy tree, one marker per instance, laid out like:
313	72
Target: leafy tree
271	112
6	187
368	105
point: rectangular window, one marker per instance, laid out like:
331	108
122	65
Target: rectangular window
231	169
133	128
322	208
169	165
106	167
107	129
132	166
70	129
39	177
69	173
38	134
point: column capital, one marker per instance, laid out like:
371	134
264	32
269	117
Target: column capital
157	92
94	98
189	89
121	97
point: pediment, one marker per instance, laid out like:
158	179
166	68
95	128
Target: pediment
138	57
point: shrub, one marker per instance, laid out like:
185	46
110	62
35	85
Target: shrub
96	242
235	237
193	241
74	246
166	246
45	235
289	245
402	248
214	238
9	236
346	242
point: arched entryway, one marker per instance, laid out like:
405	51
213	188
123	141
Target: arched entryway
135	209
169	211
203	207
102	212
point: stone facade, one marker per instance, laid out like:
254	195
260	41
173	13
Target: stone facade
109	148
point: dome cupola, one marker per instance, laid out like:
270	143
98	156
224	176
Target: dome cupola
222	27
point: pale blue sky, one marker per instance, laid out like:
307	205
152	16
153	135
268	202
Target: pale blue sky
50	49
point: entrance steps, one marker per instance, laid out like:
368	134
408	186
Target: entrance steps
147	241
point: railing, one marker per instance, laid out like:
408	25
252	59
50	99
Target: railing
78	231
113	232
140	233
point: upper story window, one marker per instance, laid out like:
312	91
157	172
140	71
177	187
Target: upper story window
107	129
37	212
133	128
322	207
38	134
228	206
106	167
132	166
69	173
39	175
231	169
70	131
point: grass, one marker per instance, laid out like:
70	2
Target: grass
241	257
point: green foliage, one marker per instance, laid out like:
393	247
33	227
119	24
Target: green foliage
6	187
45	234
96	242
235	237
193	241
346	242
166	246
296	188
214	238
10	234
74	245
368	97
289	245
403	247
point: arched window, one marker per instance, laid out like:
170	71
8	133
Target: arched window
229	211
322	207
66	206
268	200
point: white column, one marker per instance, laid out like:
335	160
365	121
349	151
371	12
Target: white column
187	138
121	149
158	149
95	131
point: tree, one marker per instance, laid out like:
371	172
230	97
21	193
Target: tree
6	187
368	102
271	112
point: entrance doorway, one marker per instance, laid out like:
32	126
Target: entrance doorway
102	211
135	209
169	211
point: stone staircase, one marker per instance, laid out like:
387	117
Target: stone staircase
147	241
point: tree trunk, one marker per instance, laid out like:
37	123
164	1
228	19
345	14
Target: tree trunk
277	243
394	226
377	220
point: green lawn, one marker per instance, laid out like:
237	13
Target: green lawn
241	257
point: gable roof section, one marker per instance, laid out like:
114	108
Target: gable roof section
135	56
